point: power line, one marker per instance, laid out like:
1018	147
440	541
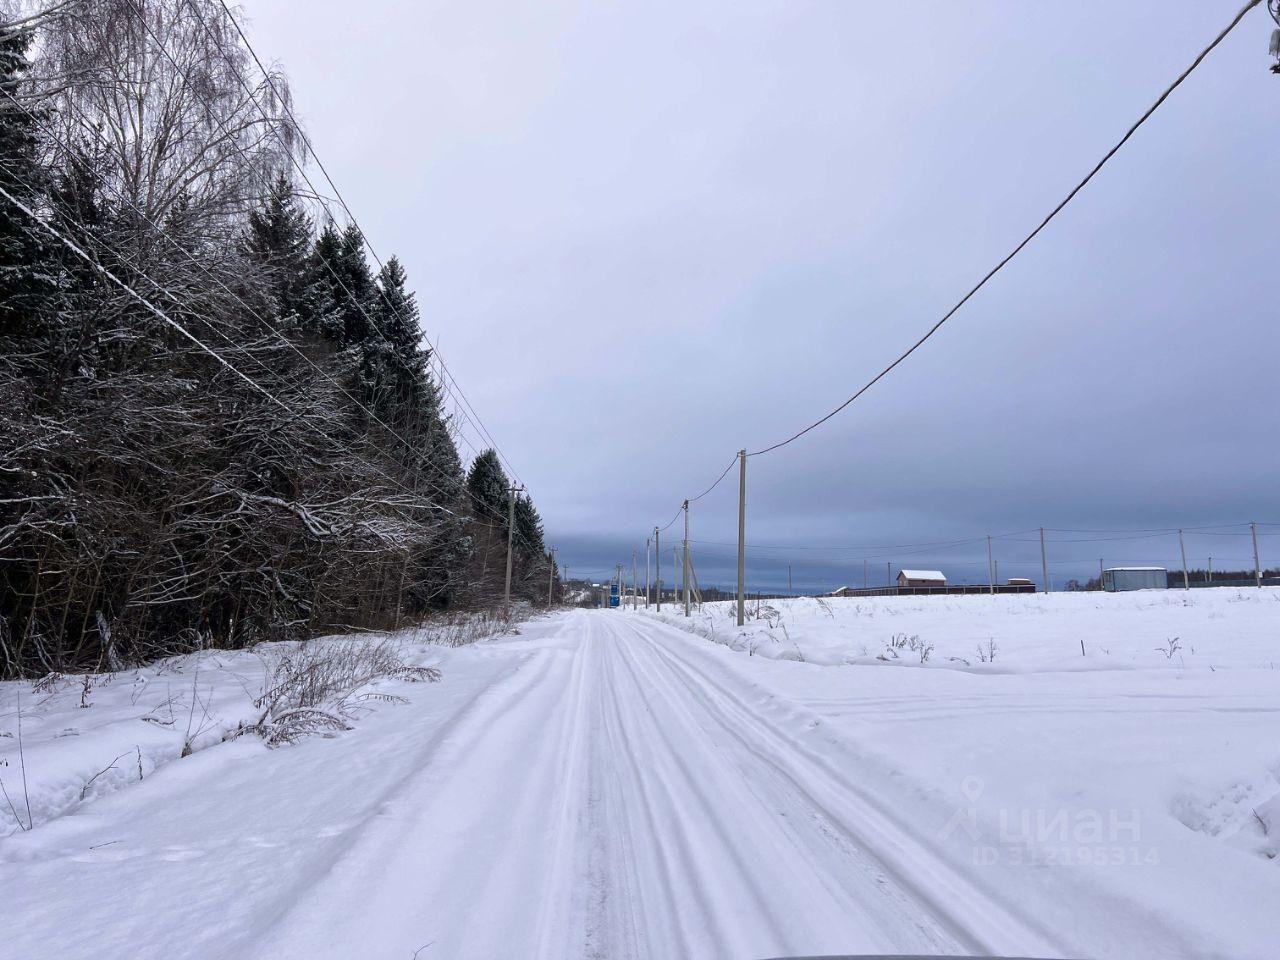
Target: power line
478	422
254	384
1028	238
355	300
867	546
717	483
315	192
104	272
1016	250
71	153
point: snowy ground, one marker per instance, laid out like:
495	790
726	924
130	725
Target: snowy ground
608	784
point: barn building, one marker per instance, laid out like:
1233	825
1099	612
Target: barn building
1115	579
921	578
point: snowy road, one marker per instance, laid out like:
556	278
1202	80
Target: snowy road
603	785
615	800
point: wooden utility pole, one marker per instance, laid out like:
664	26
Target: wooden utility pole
742	535
511	534
1182	545
619	586
634	585
1044	561
888	573
991	569
1210	573
686	557
1257	564
1102	570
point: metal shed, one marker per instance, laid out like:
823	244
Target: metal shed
1115	579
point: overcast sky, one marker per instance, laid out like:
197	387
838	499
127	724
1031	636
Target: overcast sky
650	234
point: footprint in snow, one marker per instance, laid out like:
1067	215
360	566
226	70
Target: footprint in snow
106	853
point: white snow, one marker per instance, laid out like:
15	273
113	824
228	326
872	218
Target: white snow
613	784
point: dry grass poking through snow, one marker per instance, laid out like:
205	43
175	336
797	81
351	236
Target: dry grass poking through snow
320	687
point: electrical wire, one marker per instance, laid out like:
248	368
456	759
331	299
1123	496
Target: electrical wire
478	422
293	413
716	484
502	521
133	294
1028	238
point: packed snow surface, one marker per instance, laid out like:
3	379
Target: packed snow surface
1063	776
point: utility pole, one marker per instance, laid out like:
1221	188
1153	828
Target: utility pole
1102	570
657	563
551	578
1044	561
888	573
1257	565
676	587
620	604
991	570
742	535
635	598
1210	573
1182	545
648	584
511	533
685	507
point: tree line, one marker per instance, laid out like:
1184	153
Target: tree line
221	425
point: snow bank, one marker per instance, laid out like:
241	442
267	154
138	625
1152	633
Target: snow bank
66	740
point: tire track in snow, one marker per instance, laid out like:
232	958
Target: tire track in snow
562	897
800	896
861	818
415	881
627	867
711	858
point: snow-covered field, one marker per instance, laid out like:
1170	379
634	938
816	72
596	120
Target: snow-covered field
1108	759
846	776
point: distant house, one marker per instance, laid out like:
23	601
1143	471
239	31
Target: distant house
921	578
1021	582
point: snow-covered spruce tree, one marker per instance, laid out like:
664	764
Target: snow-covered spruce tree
324	311
532	561
528	528
486	495
278	241
393	367
339	273
27	283
27	319
487	486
